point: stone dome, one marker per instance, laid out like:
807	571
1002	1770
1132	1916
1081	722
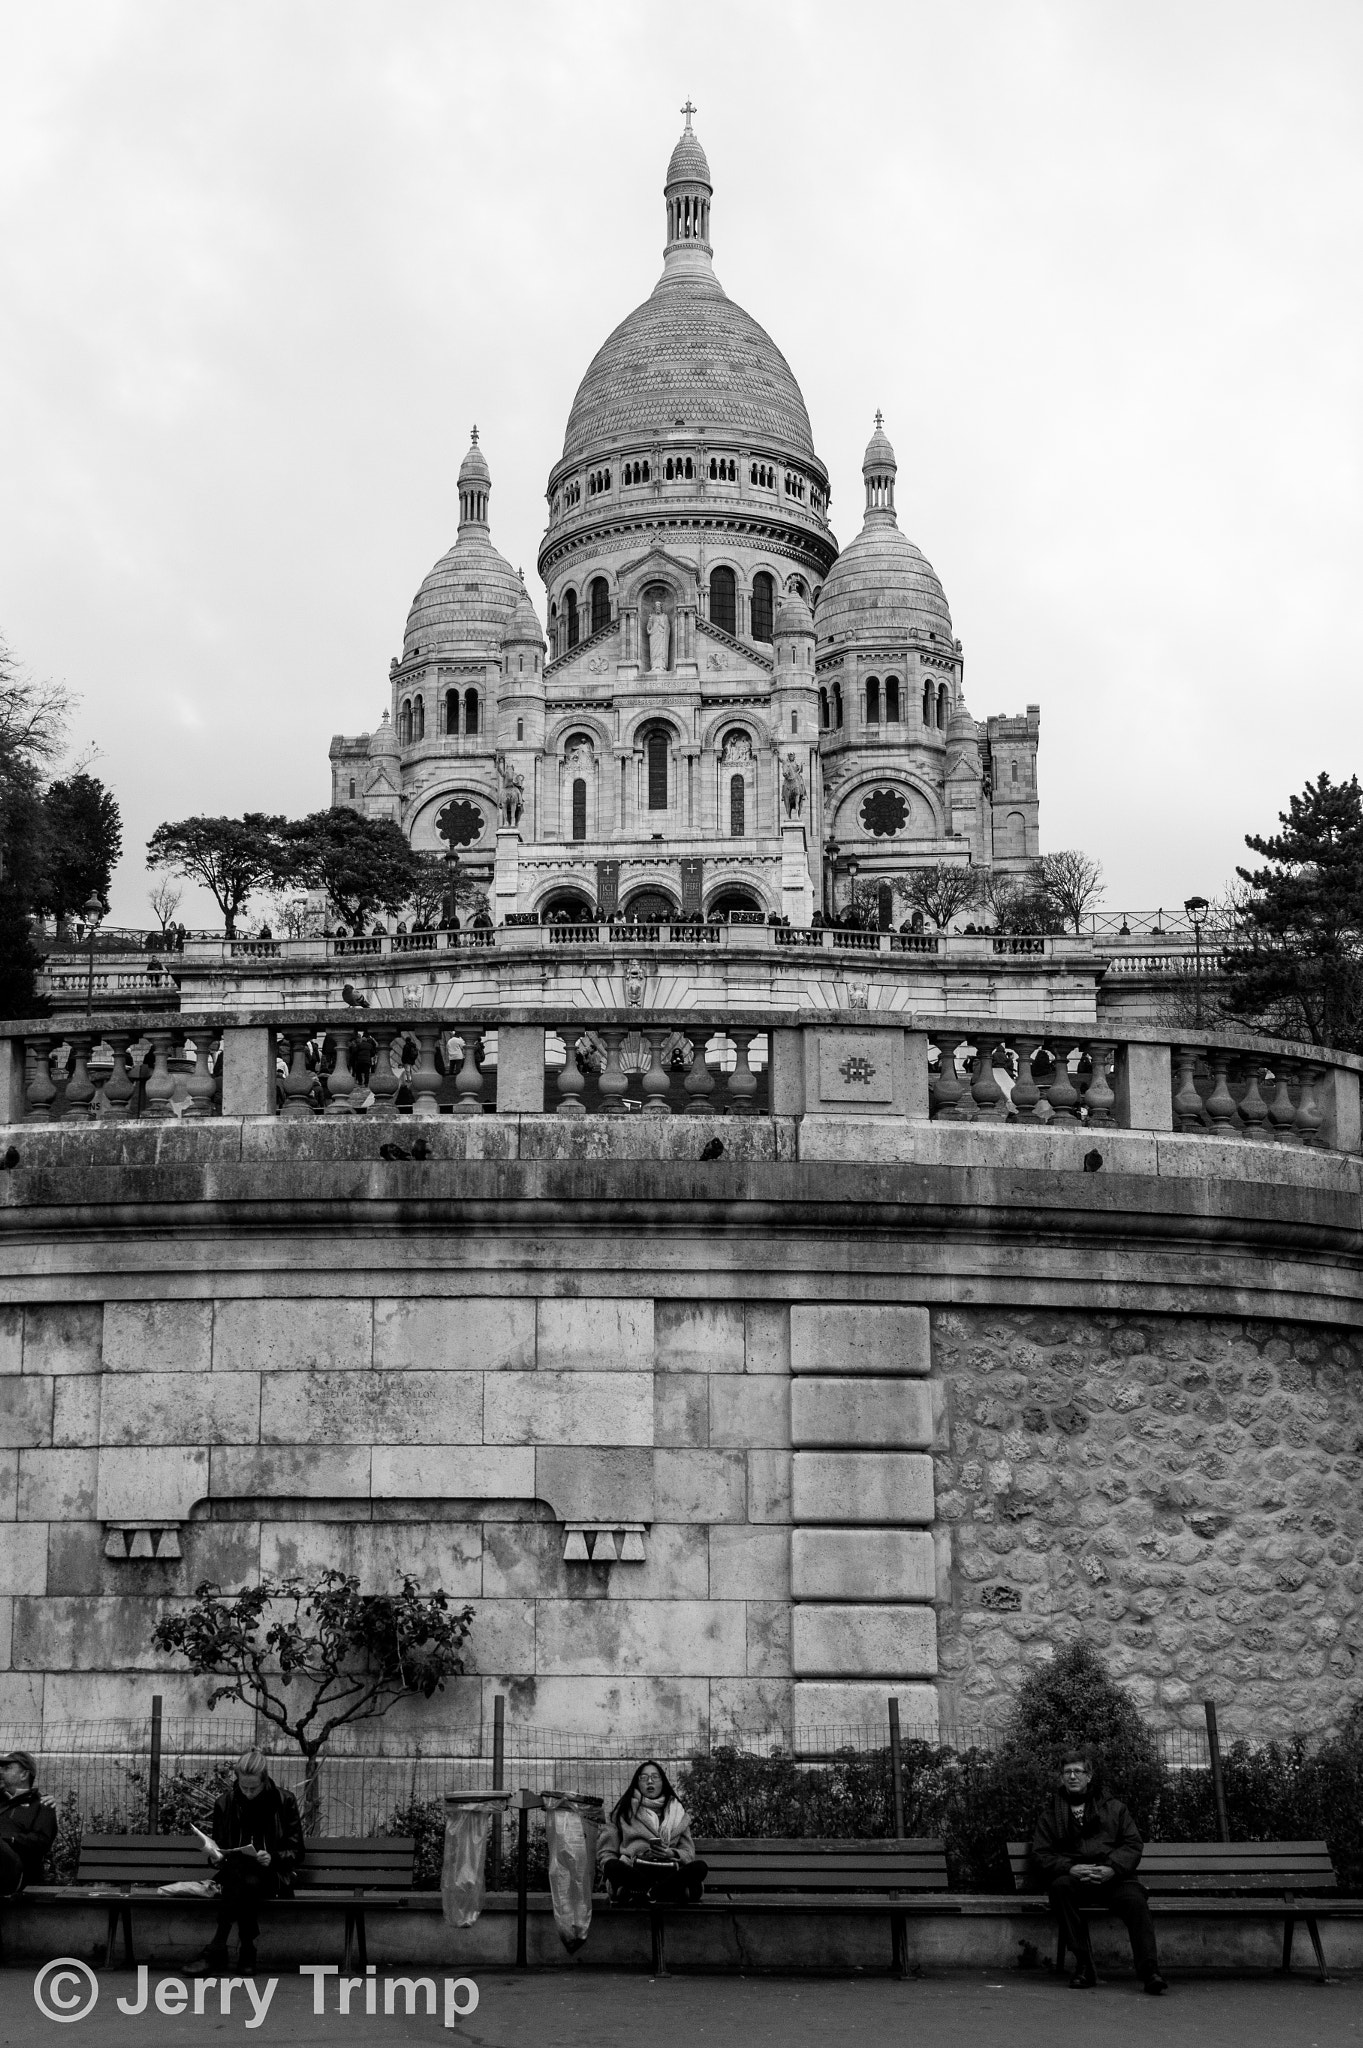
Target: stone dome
792	614
383	741
473	469
882	584
688	164
525	627
466	602
879	454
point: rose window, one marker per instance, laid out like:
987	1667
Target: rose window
460	823
884	812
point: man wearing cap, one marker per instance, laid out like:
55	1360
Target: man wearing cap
28	1823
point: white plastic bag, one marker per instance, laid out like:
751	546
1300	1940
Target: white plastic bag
463	1870
570	1825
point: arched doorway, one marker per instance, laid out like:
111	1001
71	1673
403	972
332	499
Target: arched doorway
651	906
567	904
731	902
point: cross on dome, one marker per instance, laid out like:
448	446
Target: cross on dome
475	431
880	421
689	109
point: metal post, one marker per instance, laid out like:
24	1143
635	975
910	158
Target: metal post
498	1781
524	1802
154	1770
1218	1782
896	1771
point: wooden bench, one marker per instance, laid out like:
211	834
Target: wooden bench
828	1876
342	1870
1291	1880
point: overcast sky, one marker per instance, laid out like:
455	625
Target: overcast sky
261	267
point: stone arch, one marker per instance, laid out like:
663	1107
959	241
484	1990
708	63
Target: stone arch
844	821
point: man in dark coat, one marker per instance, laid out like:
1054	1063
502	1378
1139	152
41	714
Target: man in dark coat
257	1849
1087	1849
28	1824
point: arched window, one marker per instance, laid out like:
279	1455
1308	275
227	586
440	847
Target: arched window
763	605
451	711
723	600
884	906
688	467
570	609
873	700
823	708
795	721
892	699
943	706
405	723
837	704
735	806
419	717
352	785
579	809
470	713
927	703
601	603
520	728
656	748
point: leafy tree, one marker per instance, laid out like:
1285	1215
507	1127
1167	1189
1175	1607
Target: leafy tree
33	719
431	887
230	856
311	1654
942	891
1297	967
83	837
364	864
1073	882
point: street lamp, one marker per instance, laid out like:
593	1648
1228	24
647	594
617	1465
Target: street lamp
94	912
831	874
1197	908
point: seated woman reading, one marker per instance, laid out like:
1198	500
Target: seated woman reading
645	1852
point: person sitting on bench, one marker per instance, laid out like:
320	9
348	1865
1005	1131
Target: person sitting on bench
645	1851
28	1824
1087	1849
256	1849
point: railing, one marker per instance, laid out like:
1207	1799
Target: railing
415	1062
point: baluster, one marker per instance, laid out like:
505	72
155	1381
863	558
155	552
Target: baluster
613	1082
1026	1094
341	1092
159	1087
382	1078
1309	1118
951	1089
1099	1099
120	1087
1221	1103
657	1081
700	1082
572	1082
80	1089
1282	1115
468	1082
40	1093
985	1092
742	1081
201	1083
426	1077
1253	1108
1061	1092
1188	1111
298	1080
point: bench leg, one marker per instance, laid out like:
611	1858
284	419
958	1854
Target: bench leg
1314	1933
658	1935
355	1949
899	1945
1289	1929
119	1916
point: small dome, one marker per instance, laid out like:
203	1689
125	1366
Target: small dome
473	469
466	601
962	729
688	164
383	740
879	454
525	628
792	614
882	584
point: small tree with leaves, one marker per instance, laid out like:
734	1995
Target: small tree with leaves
942	891
364	864
232	857
310	1654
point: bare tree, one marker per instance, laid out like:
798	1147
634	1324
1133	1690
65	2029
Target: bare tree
1073	882
941	892
165	901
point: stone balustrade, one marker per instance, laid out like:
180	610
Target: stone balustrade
388	1063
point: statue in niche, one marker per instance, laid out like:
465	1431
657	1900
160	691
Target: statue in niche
793	787
578	758
659	629
737	749
513	791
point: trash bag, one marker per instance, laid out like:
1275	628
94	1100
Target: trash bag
570	1825
468	1824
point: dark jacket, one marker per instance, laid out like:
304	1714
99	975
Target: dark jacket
30	1828
269	1822
1107	1834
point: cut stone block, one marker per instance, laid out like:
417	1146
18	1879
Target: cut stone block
629	1638
57	1486
63	1337
699	1336
568	1408
852	1338
75	1410
474	1334
862	1564
160	1485
25	1410
766	1337
158	1336
450	1472
681	1410
701	1486
769	1486
865	1641
749	1564
11	1337
23	1557
371	1407
768	1638
292	1334
595	1334
821	1706
584	1705
856	1412
169	1407
290	1472
750	1413
596	1485
887	1487
81	1633
444	1554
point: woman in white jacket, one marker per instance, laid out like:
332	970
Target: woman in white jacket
645	1851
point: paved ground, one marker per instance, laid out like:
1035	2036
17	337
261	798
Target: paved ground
554	2010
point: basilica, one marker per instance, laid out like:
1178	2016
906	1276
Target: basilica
730	713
